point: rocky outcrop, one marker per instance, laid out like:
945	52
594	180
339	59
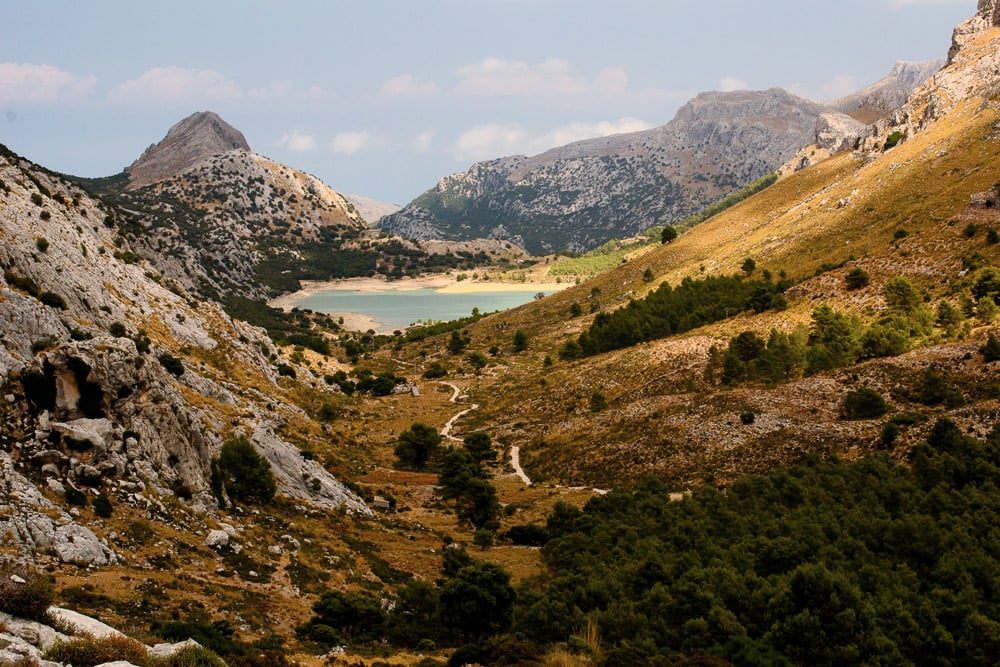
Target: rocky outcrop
837	131
972	71
193	139
31	524
987	17
887	94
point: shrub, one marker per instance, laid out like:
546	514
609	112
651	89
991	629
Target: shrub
92	651
42	244
864	403
747	417
102	506
245	474
991	349
30	600
172	364
195	656
117	329
285	370
417	445
435	370
856	279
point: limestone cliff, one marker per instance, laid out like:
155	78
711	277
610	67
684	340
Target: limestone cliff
972	71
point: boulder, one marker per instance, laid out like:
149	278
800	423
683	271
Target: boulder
77	545
216	539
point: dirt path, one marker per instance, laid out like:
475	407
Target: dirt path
515	462
515	452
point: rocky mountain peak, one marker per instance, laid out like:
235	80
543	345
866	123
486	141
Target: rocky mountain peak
987	16
198	136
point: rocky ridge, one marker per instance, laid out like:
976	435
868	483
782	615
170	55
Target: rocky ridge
584	194
116	384
972	70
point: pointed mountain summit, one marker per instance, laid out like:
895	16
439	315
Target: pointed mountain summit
198	136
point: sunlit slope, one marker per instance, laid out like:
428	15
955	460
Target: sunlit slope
661	416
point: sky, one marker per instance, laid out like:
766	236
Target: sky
382	98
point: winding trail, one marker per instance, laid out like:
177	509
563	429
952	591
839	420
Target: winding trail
515	451
515	462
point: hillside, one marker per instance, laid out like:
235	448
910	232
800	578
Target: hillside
579	196
142	425
899	211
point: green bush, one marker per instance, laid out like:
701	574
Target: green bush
92	651
102	506
194	656
245	474
856	279
864	403
42	244
30	600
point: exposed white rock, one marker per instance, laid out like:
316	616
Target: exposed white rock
167	650
83	624
216	539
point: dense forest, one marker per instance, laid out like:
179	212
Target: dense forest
826	562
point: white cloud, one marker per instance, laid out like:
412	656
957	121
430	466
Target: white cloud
567	134
176	85
422	142
41	84
493	77
497	140
407	85
730	83
350	143
837	87
298	142
491	140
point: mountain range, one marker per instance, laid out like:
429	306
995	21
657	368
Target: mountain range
580	196
127	385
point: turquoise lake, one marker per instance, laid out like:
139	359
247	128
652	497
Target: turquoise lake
401	308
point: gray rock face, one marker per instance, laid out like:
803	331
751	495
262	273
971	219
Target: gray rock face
92	411
987	16
27	523
972	71
188	142
837	132
216	538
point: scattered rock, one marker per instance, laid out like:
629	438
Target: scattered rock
217	539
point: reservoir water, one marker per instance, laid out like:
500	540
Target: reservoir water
397	309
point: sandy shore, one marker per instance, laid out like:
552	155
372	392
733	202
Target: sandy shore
444	283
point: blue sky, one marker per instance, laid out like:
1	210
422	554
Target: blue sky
383	97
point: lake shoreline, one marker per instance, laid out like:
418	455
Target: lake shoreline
440	283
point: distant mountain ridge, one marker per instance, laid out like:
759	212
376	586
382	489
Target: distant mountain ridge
584	194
